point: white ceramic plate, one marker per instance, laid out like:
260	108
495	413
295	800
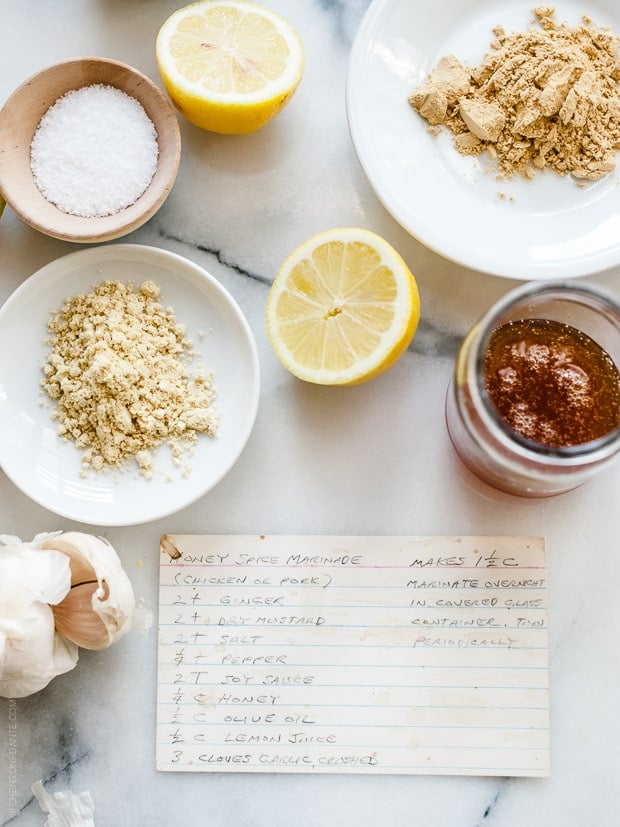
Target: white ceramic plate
541	229
47	468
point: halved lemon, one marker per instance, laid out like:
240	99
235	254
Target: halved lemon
342	308
229	66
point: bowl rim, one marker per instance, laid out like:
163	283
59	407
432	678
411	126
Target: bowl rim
177	268
95	229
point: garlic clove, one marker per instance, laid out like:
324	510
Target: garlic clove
81	570
45	577
76	620
31	651
36	585
101	612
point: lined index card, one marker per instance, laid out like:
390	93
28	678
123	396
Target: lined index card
333	654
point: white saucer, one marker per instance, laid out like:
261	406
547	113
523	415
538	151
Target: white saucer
541	229
45	467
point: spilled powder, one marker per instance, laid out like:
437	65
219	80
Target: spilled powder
546	98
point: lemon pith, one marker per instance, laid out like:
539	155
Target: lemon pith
342	308
229	65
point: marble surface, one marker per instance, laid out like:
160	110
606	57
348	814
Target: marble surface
374	459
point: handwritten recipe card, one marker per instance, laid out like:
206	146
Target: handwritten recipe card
353	654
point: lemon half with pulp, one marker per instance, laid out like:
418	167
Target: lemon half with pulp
229	66
342	308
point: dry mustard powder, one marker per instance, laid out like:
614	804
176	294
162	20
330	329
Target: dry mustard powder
117	368
544	98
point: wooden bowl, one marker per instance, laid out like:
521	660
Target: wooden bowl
20	117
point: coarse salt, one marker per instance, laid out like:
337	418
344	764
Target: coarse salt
94	151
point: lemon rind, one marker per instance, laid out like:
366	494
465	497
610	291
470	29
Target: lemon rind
394	341
285	83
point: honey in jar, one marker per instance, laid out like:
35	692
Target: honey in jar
533	407
551	383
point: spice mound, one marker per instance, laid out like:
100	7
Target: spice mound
544	98
94	151
117	367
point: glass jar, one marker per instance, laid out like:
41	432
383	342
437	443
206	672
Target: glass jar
488	446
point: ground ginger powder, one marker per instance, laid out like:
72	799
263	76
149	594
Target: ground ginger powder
544	98
117	367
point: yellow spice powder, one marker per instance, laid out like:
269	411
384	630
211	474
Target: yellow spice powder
117	370
544	98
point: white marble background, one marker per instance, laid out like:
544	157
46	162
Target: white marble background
373	459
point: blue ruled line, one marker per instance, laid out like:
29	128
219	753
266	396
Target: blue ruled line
297	666
422	627
335	587
265	687
330	727
335	769
275	606
351	568
236	706
287	744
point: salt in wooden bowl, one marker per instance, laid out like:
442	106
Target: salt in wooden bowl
22	113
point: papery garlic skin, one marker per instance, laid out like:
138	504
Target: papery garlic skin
65	809
105	615
31	651
44	576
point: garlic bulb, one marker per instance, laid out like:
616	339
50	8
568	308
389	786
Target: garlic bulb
57	592
31	650
98	609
